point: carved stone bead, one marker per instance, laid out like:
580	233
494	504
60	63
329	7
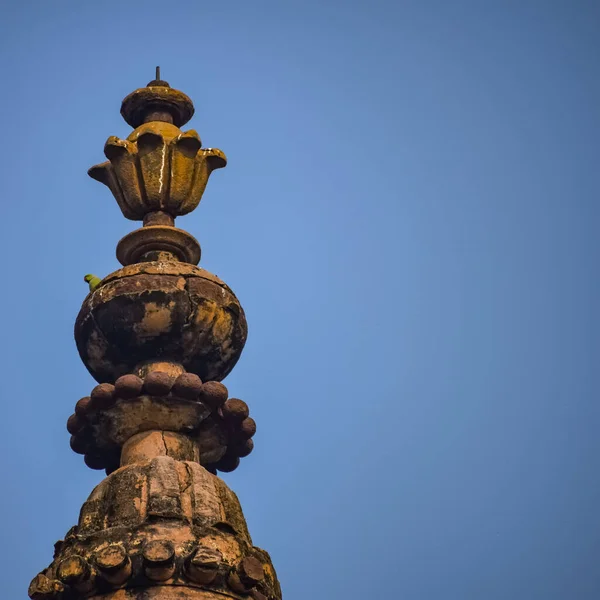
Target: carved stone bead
159	560
158	383
188	385
73	570
128	386
248	427
113	564
235	410
83	406
43	588
203	565
214	394
74	424
102	396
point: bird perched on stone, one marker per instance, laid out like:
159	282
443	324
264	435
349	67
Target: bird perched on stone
93	281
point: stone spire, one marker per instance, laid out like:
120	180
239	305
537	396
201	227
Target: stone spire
159	335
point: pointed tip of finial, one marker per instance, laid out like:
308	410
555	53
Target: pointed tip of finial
157	81
156	97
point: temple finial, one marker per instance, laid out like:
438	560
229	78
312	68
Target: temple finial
159	336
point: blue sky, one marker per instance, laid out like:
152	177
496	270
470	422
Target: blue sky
410	220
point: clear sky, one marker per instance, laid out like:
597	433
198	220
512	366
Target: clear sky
410	219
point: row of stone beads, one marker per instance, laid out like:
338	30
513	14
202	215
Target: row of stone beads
112	566
157	383
238	426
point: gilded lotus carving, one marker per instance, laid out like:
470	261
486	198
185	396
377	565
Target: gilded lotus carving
157	168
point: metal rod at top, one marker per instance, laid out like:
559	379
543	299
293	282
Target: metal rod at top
157	73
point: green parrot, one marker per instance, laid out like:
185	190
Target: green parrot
93	281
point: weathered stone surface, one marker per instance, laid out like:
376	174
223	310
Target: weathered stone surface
128	386
43	588
92	516
212	442
159	560
126	499
82	406
171	368
140	314
163	489
214	394
102	396
157	96
79	444
235	409
248	427
74	424
158	242
165	521
188	385
74	571
158	383
113	564
245	448
229	463
271	585
207	505
251	571
233	511
158	167
115	426
158	487
203	565
142	447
